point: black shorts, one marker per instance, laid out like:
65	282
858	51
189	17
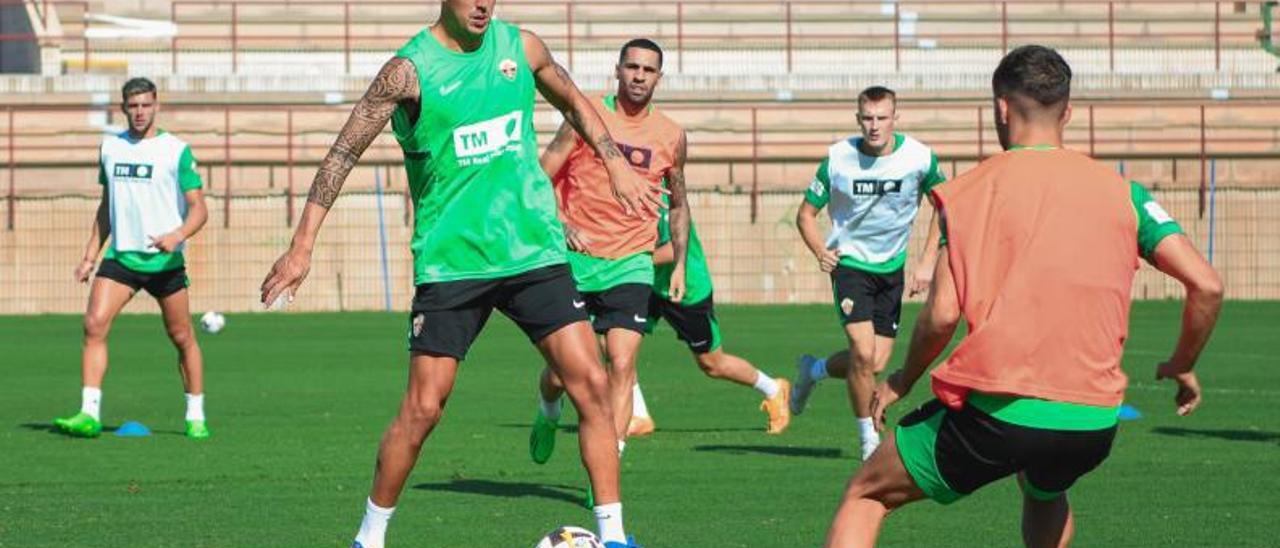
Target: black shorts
158	284
623	306
951	453
862	296
446	317
695	324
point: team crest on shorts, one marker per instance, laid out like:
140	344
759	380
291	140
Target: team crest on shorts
508	69
418	321
846	306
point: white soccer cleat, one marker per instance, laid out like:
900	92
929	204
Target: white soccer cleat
804	384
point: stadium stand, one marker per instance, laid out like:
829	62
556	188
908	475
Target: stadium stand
801	47
1178	95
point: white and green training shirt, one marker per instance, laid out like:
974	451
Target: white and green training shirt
873	200
146	181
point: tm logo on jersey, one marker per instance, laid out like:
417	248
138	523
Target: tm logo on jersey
133	173
876	187
481	142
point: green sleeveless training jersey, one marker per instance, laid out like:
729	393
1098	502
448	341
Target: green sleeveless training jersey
483	208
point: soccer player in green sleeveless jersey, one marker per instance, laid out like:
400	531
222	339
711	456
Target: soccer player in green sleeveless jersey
1264	33
151	204
460	98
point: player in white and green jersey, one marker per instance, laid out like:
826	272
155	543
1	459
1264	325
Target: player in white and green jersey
151	204
1264	33
872	186
460	99
694	321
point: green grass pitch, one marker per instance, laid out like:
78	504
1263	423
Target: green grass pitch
297	404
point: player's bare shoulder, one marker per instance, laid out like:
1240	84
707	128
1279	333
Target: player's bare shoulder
536	52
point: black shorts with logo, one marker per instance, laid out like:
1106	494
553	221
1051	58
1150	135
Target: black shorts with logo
864	296
158	284
446	317
694	323
623	306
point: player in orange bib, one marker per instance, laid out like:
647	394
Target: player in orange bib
610	251
1041	247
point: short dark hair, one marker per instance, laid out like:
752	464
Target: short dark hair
642	43
1034	72
136	86
877	93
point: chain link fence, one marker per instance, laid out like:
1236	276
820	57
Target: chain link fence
362	260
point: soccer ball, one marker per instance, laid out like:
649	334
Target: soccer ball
569	536
212	322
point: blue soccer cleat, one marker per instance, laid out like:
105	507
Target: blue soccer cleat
631	543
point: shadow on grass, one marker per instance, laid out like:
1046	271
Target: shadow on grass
41	427
565	493
573	429
567	428
665	430
807	452
51	429
1230	435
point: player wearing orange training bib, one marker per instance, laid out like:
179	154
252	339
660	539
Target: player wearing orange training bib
610	251
1041	247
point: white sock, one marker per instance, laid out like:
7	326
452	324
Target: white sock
550	409
819	369
609	522
91	402
622	446
766	385
195	407
638	408
870	438
867	428
373	529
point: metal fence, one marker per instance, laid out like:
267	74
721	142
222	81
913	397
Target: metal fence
362	260
273	149
235	30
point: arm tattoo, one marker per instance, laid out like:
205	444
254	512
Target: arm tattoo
592	131
679	214
557	153
555	83
607	148
395	83
563	141
561	73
